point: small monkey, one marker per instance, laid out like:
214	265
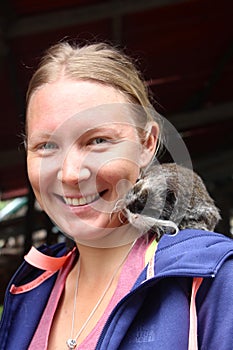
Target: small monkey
170	197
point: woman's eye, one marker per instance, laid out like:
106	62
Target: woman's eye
48	146
98	141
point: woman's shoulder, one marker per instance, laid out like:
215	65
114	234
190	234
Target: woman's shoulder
39	264
193	237
196	252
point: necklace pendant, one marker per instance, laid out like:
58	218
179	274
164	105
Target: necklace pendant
71	343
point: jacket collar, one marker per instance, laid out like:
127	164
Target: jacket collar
189	253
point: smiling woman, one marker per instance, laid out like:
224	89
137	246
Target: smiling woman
91	132
77	180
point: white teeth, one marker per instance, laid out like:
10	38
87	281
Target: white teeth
80	201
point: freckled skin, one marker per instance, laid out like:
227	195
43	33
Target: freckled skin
82	143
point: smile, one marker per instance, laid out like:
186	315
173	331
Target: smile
81	201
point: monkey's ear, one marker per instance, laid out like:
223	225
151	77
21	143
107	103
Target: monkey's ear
149	145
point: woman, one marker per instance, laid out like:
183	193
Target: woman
90	133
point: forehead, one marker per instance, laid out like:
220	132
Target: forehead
83	103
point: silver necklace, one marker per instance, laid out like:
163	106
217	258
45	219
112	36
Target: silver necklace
72	341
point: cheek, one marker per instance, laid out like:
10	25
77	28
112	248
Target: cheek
119	175
33	170
36	179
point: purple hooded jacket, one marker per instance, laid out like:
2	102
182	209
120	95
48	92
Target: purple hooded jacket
155	314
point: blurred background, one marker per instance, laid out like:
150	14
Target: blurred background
185	51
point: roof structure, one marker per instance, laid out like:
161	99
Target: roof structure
183	47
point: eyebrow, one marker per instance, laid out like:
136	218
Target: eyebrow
115	128
44	135
38	136
103	128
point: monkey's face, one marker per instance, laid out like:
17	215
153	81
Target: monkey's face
138	208
136	198
148	196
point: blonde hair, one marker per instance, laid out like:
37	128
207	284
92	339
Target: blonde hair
99	62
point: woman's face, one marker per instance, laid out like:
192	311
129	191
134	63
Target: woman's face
84	153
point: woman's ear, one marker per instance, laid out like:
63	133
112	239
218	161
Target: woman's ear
149	145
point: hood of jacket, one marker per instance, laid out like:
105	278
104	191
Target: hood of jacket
193	252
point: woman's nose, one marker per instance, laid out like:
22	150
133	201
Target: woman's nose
73	169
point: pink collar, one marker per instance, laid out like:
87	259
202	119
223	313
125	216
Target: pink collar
45	262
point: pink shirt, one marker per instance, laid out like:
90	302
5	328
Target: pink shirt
132	267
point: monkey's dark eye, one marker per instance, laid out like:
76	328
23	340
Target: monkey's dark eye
138	187
137	205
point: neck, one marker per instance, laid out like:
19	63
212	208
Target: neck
111	237
99	263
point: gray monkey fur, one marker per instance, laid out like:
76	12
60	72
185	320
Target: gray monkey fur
168	198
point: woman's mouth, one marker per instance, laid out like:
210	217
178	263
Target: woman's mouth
81	201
